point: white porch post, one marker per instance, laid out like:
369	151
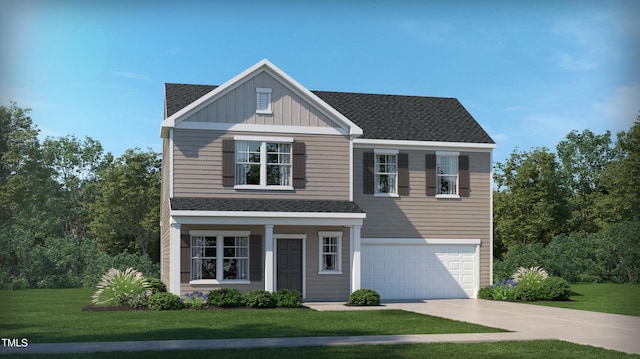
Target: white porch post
268	258
355	257
174	259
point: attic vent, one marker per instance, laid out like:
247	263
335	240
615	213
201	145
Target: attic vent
263	100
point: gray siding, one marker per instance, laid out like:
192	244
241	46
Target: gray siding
198	167
239	106
420	216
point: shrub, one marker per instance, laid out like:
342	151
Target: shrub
529	281
555	288
521	255
532	275
225	298
194	300
122	288
503	290
289	298
364	297
156	285
485	293
259	299
164	301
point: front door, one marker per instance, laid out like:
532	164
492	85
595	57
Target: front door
289	274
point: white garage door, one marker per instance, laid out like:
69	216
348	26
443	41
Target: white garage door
424	271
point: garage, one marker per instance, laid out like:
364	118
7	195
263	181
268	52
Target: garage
419	268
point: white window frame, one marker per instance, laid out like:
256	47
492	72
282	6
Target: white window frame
220	256
329	234
448	154
376	173
263	162
262	92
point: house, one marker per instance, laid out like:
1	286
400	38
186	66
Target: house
268	185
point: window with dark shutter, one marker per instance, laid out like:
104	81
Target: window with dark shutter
367	173
464	177
299	165
255	257
228	163
185	258
431	174
403	174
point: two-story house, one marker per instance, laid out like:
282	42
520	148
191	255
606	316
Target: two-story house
268	185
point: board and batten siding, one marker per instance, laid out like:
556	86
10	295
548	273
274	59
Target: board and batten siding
239	106
420	216
198	167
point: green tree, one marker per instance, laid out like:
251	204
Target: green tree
584	157
531	202
127	212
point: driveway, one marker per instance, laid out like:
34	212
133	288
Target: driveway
530	322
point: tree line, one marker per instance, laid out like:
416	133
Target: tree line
69	210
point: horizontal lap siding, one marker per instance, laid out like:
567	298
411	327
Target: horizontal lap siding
330	287
422	216
165	222
198	167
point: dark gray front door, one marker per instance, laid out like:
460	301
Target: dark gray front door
289	275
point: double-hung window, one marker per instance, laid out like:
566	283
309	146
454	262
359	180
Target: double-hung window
263	164
219	256
330	252
447	173
386	172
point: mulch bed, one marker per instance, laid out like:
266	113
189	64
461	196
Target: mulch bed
126	308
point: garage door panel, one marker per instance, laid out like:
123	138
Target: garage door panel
419	271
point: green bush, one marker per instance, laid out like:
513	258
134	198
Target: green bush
156	285
485	293
164	301
259	299
225	298
122	288
555	288
364	297
521	255
289	298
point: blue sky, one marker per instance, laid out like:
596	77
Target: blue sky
529	72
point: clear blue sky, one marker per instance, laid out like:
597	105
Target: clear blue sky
528	71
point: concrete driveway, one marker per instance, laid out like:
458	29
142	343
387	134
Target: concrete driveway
530	322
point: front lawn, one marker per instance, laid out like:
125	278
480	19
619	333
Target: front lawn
602	297
55	315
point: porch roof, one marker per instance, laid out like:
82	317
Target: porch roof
263	205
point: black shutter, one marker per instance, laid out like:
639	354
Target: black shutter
403	174
185	258
228	163
255	257
464	180
367	173
299	164
431	174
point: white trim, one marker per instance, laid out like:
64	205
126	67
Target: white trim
420	241
476	266
240	220
219	256
260	187
269	258
271	139
256	214
448	153
243	127
304	259
386	195
376	174
321	235
449	196
260	91
263	90
491	218
174	259
422	145
355	260
213	232
221	282
351	169
262	66
385	151
171	164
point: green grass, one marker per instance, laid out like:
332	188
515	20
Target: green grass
602	297
522	349
54	315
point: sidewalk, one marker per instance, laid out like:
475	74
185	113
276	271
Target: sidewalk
526	321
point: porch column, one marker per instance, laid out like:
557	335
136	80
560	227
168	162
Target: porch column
174	259
268	258
355	257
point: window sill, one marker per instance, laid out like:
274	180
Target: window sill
259	112
330	272
386	195
454	196
263	188
215	281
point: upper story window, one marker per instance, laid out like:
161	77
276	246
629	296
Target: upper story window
263	100
447	173
386	172
263	164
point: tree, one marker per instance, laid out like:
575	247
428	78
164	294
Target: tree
584	157
530	204
127	212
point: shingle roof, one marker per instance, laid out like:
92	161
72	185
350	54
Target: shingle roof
262	205
384	117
